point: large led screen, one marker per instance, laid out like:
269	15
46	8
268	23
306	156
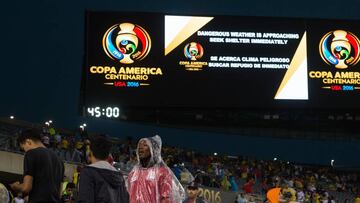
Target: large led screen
157	60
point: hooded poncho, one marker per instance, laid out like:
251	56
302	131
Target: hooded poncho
4	194
154	183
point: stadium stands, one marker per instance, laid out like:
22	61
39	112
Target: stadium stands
224	175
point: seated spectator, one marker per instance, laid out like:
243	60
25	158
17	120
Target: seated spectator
300	196
248	186
357	199
240	198
225	184
273	195
265	185
234	185
185	176
288	192
177	171
68	194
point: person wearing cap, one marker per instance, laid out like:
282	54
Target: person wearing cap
193	194
151	180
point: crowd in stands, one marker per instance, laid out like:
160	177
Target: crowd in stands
241	175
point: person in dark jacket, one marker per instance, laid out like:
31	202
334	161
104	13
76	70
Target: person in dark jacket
100	182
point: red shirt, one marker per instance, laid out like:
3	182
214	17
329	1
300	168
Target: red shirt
248	187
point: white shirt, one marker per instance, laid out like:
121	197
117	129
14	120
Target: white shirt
18	200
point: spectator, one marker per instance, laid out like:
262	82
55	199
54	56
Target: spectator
186	176
68	194
288	192
46	141
225	184
43	170
193	194
357	199
4	194
110	159
240	198
264	185
234	185
248	186
64	184
73	155
131	163
100	182
331	199
151	181
209	170
52	131
273	195
19	198
76	175
57	138
177	171
300	196
86	150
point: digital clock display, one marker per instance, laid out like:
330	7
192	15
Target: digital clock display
108	112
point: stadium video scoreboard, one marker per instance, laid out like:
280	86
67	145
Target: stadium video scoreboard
159	60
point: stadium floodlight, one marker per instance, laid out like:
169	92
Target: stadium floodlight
275	116
12	117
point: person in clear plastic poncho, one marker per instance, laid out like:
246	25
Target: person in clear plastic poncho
4	194
151	180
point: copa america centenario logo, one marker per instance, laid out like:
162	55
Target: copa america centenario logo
193	51
340	48
126	43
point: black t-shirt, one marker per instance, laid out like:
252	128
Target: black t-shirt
47	171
